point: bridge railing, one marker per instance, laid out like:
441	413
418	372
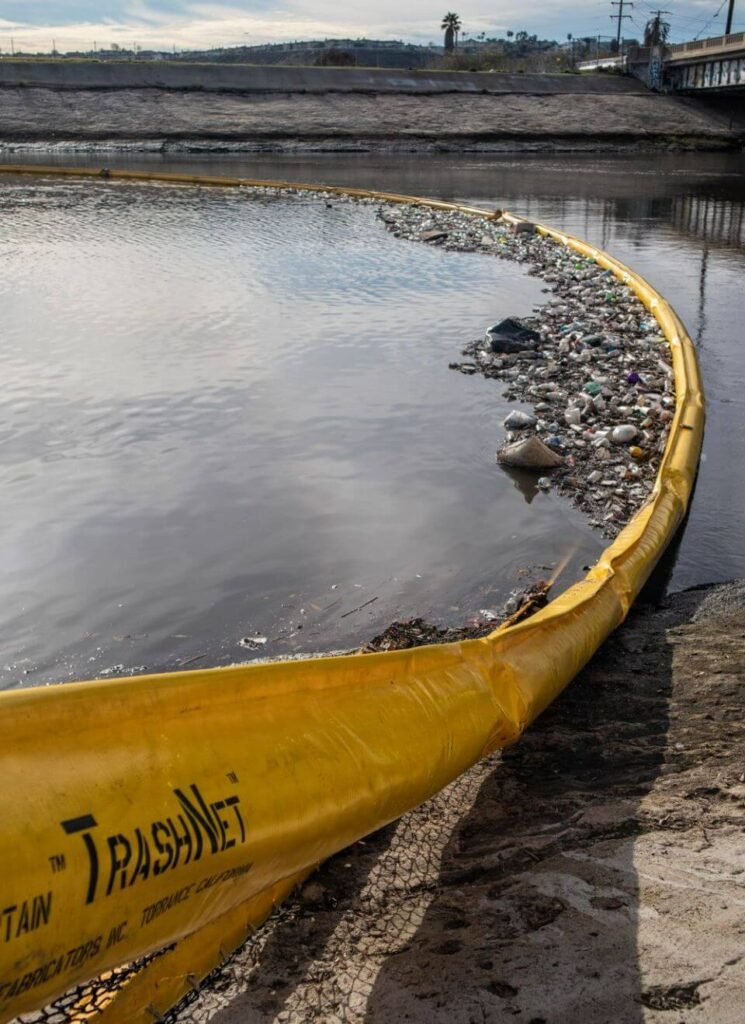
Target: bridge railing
715	43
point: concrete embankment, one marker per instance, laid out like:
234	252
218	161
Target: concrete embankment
248	78
156	105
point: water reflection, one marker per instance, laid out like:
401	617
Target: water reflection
701	328
225	417
526	483
716	220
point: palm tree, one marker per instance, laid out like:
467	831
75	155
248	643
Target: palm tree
451	25
656	31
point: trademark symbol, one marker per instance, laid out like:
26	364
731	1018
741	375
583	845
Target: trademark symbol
58	862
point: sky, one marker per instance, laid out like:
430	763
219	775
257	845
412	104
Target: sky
185	24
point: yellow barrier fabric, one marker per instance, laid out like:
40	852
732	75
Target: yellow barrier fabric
136	812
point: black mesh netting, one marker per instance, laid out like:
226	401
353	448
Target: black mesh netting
90	999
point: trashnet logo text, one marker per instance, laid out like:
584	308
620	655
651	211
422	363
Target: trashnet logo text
197	828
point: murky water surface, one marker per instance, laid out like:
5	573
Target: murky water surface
677	218
228	417
225	418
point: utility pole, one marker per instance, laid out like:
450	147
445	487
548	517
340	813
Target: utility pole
730	16
620	17
656	51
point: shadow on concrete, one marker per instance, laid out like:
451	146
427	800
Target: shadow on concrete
278	974
536	909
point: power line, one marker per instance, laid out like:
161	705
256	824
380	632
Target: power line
712	18
636	24
681	20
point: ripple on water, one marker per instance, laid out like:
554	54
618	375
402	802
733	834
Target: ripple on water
225	415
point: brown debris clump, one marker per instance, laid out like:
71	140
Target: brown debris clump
401	636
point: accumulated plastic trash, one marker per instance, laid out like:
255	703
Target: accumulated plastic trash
433	235
512	335
530	453
489	614
252	643
524	227
592	362
519	420
624	434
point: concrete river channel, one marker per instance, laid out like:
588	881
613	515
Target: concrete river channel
231	419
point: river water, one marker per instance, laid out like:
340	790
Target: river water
228	418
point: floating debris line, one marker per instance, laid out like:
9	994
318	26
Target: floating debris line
593	363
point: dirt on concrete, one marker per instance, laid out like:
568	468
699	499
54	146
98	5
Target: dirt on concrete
298	121
593	873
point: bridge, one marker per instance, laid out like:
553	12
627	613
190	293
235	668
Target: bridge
716	64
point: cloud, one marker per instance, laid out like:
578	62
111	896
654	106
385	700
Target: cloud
76	24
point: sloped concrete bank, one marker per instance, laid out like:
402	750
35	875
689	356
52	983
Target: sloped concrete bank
404	114
249	78
591	873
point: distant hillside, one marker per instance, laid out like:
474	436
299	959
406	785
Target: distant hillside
370	53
